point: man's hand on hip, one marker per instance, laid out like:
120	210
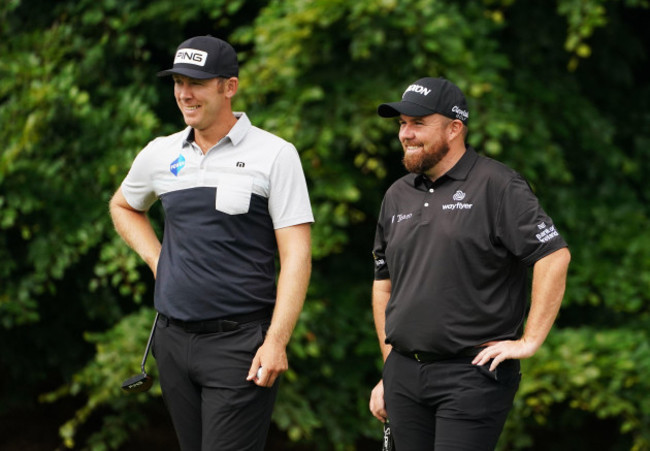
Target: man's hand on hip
498	351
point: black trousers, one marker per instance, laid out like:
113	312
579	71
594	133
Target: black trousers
204	386
447	405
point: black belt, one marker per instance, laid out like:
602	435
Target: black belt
211	326
428	357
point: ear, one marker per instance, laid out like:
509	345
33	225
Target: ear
231	87
454	130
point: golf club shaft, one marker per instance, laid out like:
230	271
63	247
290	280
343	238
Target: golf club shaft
146	351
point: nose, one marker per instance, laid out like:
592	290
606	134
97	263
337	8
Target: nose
183	90
406	132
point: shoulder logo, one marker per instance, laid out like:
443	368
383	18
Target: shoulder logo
547	233
378	261
176	165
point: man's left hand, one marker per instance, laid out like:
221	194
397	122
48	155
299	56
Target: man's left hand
498	351
272	358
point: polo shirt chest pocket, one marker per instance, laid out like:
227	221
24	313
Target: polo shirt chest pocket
233	196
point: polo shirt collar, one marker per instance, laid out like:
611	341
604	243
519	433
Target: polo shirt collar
236	134
460	171
188	137
240	129
464	165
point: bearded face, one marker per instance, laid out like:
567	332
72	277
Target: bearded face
419	160
423	141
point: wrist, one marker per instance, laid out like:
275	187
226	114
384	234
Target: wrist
530	345
276	338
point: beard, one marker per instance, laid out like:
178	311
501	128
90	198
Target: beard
421	162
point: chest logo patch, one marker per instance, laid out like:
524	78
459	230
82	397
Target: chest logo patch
176	165
400	217
458	204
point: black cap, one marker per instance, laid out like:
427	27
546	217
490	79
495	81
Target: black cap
428	96
204	57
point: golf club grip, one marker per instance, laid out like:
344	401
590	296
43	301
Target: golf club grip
146	351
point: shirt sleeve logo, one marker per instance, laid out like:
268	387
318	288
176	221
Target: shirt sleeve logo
379	262
176	165
547	233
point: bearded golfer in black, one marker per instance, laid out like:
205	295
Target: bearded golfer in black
454	242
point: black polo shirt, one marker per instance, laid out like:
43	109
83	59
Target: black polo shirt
457	253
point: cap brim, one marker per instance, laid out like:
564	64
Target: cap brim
198	74
407	108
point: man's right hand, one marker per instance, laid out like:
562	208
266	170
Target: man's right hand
377	404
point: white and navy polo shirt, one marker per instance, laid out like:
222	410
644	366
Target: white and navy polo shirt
221	210
457	253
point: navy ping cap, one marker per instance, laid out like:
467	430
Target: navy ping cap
204	57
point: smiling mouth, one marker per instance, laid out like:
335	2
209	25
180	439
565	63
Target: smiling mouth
191	108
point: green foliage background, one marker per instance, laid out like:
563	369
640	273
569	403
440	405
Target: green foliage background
559	90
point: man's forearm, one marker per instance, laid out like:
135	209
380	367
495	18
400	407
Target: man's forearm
381	290
291	292
135	229
549	283
294	245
